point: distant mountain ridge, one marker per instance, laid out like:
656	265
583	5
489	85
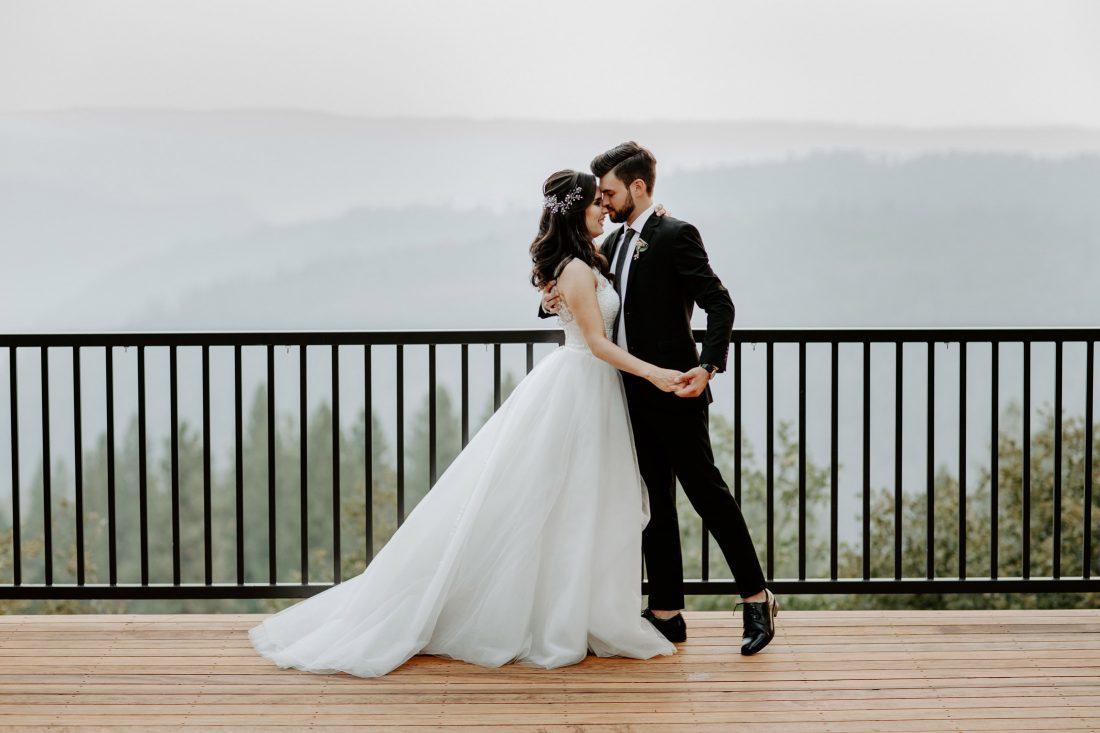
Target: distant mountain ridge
268	219
295	164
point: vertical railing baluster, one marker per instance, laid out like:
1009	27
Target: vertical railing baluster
496	376
272	564
737	421
207	513
801	460
1026	470
174	438
336	463
704	552
899	456
78	464
962	460
1056	554
994	460
112	552
530	357
238	440
770	450
866	460
432	414
834	463
368	449
400	434
930	467
465	394
303	466
143	482
16	518
47	487
1086	565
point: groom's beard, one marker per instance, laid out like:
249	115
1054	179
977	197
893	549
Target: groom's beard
620	215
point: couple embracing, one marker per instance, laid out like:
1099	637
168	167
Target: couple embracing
526	549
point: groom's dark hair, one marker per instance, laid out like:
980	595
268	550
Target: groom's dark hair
629	162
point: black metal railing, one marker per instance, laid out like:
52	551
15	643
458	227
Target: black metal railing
868	575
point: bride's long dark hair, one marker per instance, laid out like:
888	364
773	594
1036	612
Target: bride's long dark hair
563	233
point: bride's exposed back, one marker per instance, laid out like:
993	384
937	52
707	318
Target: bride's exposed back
528	548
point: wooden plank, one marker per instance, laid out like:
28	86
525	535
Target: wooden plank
779	691
443	704
412	680
257	714
851	726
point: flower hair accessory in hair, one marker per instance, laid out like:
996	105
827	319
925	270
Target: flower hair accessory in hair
557	207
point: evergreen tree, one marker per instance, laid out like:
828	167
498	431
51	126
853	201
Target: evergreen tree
1010	473
417	455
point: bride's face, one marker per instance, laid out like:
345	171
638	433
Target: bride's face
594	216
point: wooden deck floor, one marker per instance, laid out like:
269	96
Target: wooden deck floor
838	671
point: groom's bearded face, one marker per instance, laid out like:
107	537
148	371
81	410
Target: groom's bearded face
616	198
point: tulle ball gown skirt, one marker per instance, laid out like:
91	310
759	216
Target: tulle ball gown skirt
528	548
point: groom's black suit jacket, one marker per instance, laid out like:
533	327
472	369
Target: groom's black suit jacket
664	285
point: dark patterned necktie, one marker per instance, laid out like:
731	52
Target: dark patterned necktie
620	262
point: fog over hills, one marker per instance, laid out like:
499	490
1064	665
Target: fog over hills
281	219
289	165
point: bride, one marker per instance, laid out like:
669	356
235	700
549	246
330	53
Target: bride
528	548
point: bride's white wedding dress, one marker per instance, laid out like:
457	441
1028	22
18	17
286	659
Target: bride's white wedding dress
527	549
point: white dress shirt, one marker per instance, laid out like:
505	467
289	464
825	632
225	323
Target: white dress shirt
620	336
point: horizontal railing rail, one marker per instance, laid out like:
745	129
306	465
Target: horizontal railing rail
869	575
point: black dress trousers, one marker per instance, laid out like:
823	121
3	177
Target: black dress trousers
676	445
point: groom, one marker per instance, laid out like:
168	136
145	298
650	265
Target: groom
661	272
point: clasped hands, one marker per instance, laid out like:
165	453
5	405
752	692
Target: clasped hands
683	384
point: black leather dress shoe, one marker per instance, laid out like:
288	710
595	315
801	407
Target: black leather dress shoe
759	619
674	629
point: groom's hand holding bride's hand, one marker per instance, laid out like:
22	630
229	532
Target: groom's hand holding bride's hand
666	380
693	383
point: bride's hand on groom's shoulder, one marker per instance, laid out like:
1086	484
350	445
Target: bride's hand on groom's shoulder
660	210
551	299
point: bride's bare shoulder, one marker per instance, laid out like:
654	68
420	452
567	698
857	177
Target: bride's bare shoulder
577	271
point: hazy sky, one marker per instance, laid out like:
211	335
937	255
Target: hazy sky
909	62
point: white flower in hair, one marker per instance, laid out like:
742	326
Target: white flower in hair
557	207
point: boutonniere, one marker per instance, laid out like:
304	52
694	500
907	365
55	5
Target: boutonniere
640	247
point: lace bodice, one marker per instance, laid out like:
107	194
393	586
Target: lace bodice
606	298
